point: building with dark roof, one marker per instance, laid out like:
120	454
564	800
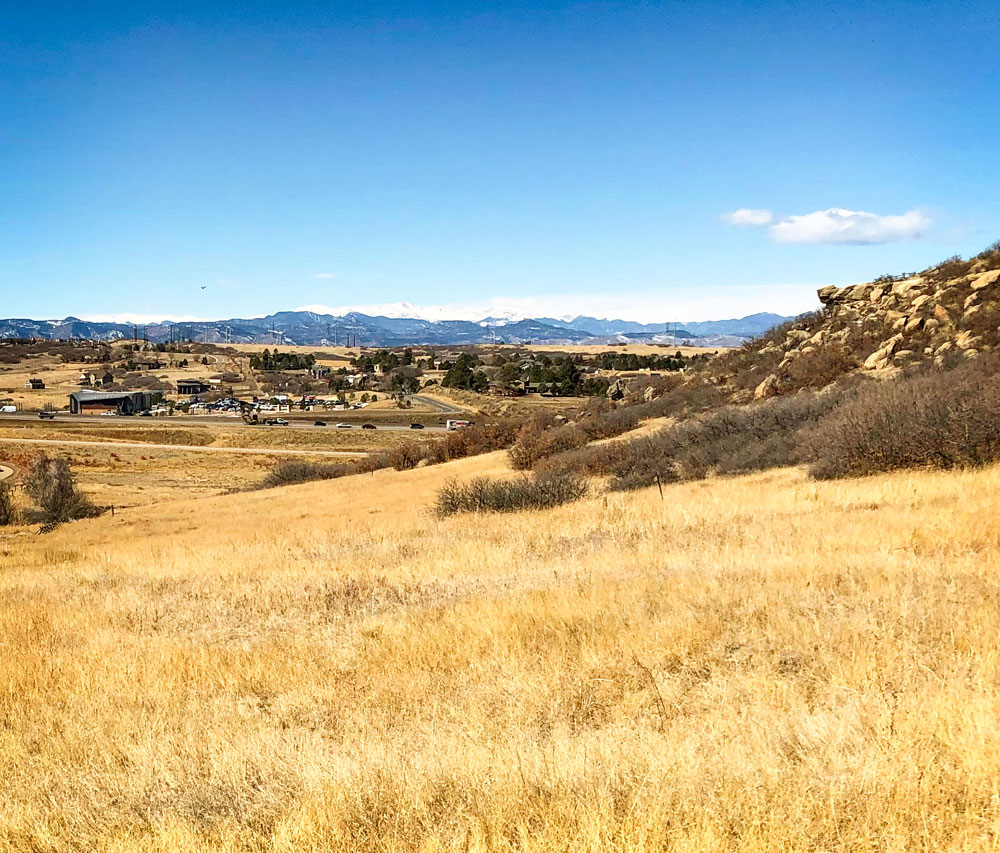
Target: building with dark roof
192	386
121	402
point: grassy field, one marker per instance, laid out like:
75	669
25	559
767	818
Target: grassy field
758	664
212	433
62	379
159	468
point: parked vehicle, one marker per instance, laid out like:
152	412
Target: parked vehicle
416	426
46	416
8	410
367	426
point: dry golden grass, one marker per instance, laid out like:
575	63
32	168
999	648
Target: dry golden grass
62	378
757	664
233	433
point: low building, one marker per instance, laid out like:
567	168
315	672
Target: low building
191	386
120	402
35	384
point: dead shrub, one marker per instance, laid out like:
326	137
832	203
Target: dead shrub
728	440
537	444
486	494
50	484
945	419
293	471
9	513
406	456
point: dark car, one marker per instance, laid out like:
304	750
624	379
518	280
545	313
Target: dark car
319	423
367	426
46	416
416	426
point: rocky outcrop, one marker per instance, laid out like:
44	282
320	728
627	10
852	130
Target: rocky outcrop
943	314
922	315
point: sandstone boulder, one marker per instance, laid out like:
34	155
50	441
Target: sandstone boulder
967	340
767	388
827	294
986	279
880	359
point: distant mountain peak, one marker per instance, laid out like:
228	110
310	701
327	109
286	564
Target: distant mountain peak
399	324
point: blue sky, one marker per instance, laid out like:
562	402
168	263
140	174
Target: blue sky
655	161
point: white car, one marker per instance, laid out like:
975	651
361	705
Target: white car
342	426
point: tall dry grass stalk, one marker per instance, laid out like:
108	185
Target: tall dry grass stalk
759	664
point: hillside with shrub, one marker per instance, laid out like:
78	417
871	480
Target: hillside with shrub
896	373
945	314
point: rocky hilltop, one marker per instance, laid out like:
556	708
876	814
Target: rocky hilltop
948	312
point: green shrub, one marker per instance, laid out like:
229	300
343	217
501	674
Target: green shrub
485	494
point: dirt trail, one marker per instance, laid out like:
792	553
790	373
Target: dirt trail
133	445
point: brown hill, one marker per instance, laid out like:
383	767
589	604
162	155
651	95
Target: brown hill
944	314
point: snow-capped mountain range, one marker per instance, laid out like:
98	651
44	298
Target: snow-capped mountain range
397	325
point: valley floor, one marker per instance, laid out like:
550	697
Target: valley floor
759	664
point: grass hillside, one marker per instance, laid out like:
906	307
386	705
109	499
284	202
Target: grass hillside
763	663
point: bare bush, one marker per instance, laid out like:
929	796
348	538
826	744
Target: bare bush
540	440
486	494
407	455
728	440
536	444
292	471
945	419
50	483
9	513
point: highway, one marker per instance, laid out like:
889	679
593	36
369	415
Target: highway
296	420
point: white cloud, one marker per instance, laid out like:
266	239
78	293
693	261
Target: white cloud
835	226
324	275
748	217
851	227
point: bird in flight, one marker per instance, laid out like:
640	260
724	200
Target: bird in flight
204	286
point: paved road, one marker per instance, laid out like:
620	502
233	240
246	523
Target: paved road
136	445
438	405
220	420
